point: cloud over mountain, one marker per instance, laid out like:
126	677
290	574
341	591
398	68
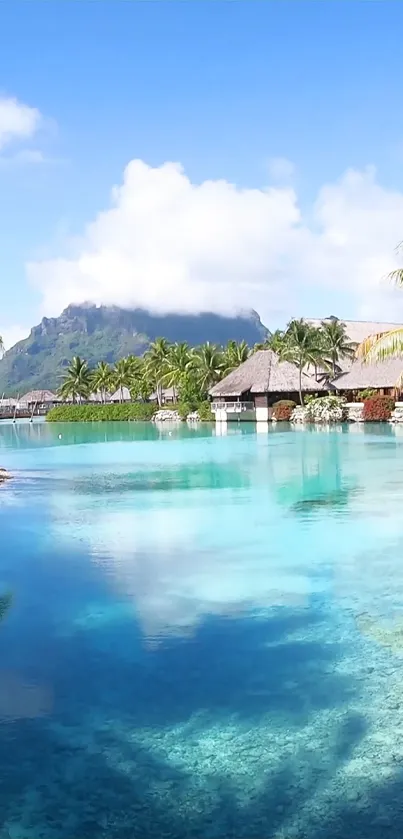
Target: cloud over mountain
167	244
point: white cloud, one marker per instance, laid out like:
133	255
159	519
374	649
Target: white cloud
169	245
17	121
12	334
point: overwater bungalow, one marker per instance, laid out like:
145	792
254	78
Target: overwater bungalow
250	391
7	407
38	402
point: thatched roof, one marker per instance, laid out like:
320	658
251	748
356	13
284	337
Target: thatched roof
360	376
99	397
359	330
263	372
39	396
167	393
125	395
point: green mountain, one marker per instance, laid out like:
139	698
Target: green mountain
107	333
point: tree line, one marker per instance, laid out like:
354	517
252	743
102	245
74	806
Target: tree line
191	372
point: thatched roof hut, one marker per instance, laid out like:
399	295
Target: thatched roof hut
167	395
359	330
263	372
381	375
38	397
121	395
356	375
99	397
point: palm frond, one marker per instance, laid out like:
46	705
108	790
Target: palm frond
396	277
381	346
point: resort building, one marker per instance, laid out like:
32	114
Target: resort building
38	401
384	377
355	376
250	391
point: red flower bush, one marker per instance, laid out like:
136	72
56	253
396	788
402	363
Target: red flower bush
283	409
378	408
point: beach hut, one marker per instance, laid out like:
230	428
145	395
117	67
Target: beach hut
38	401
250	391
121	395
383	377
7	407
167	396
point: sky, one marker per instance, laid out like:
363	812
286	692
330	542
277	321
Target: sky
200	156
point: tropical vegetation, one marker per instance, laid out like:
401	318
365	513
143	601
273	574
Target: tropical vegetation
388	344
378	408
282	410
191	372
323	409
317	349
135	411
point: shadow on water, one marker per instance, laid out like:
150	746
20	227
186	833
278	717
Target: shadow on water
98	767
229	666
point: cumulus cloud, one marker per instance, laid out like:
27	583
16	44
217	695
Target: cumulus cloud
167	244
17	121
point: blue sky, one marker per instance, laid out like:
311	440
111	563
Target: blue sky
222	88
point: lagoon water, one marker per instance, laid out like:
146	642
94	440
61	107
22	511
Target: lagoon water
206	633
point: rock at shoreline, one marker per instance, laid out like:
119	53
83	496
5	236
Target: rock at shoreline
166	415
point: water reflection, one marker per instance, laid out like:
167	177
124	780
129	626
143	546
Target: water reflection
177	555
219	622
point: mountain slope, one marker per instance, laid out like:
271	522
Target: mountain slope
108	333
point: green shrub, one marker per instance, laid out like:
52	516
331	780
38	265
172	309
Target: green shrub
366	394
378	408
140	411
183	409
205	412
283	409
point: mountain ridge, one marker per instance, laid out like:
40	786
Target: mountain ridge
108	333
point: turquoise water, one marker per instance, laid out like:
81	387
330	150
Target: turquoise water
206	633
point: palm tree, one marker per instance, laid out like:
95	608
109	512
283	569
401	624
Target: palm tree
176	365
156	358
274	342
208	364
77	381
122	374
101	379
143	384
234	354
336	344
302	346
389	344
